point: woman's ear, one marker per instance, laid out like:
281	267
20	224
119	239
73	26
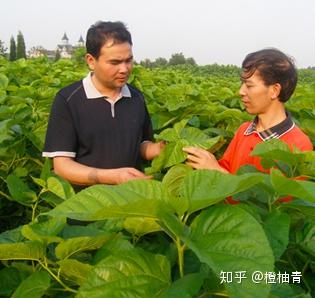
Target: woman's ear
275	91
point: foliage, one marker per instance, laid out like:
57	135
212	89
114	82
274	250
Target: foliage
79	55
20	46
12	55
173	236
3	49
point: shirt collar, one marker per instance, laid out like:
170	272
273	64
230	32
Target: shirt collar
274	132
91	92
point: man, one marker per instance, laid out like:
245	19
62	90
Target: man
99	127
269	78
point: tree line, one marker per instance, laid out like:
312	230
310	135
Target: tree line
176	59
17	49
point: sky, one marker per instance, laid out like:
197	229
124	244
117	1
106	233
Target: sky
210	31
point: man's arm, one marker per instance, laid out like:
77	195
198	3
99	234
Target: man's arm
79	174
149	150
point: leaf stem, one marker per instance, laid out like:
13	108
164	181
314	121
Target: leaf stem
56	278
180	253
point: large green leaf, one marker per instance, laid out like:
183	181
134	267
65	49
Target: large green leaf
10	278
4	82
288	187
74	270
60	187
20	191
302	207
141	225
277	227
203	188
45	231
174	177
72	246
178	137
134	198
132	274
34	286
276	153
22	251
306	237
185	287
228	239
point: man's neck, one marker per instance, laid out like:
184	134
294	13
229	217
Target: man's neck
111	93
268	120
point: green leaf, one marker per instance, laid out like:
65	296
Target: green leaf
287	187
133	274
46	170
172	154
10	278
301	207
141	225
12	236
174	177
228	239
306	238
72	246
4	81
117	245
60	187
74	270
186	287
134	198
20	191
34	286
22	251
46	231
203	188
277	153
277	227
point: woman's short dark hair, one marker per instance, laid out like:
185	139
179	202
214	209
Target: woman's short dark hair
101	32
273	67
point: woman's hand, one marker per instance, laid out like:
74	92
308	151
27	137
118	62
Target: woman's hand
202	159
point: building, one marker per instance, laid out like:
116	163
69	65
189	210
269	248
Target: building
66	49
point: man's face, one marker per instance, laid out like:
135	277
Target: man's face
113	67
256	96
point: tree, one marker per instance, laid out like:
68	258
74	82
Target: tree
79	55
191	61
146	63
3	49
57	55
20	48
160	62
177	58
12	55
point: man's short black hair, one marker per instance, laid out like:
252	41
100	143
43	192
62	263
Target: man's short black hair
101	32
273	67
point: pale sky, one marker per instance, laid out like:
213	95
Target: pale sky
210	31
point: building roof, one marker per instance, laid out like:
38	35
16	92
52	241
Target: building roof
81	39
65	37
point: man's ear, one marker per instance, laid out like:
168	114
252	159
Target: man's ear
275	91
90	60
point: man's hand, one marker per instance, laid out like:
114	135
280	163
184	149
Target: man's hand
79	174
122	175
202	159
149	150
